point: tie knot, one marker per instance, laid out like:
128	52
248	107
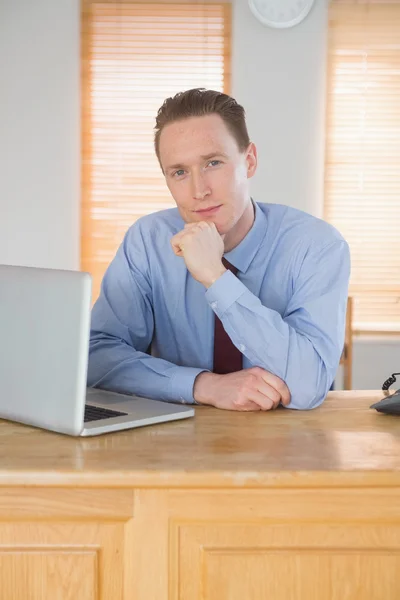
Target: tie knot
228	265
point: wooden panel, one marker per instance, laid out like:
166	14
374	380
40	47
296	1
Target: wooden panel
148	556
281	561
53	574
203	542
43	555
285	544
300	575
280	505
42	503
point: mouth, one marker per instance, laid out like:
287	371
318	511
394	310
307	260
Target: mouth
204	212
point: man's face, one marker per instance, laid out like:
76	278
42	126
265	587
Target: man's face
205	172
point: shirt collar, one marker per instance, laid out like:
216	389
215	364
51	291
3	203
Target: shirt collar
242	255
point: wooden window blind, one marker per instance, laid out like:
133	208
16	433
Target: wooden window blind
362	171
134	55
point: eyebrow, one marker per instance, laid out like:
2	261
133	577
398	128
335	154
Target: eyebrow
203	157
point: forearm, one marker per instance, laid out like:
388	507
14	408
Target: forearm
302	350
115	365
270	342
308	376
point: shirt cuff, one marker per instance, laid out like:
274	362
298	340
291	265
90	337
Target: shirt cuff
182	383
224	292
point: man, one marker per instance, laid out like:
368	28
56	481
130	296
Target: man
171	309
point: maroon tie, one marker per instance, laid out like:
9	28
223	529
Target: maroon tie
227	358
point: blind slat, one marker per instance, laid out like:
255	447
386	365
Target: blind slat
362	174
134	55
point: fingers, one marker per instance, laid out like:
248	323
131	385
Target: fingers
264	396
197	225
187	234
254	401
261	399
277	384
270	394
246	406
265	388
176	243
213	226
256	391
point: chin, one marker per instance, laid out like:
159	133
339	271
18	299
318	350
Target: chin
225	226
221	227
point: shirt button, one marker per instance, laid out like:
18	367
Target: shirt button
242	348
214	305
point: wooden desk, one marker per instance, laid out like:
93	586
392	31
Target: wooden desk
239	506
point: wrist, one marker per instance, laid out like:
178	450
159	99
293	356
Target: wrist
202	389
213	275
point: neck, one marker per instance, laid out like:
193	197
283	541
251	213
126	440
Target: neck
240	229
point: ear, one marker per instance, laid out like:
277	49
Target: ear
251	160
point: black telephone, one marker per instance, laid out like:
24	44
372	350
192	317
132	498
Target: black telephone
390	404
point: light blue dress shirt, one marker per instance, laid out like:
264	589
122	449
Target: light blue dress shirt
285	309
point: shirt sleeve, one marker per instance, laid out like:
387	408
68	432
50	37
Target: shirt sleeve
122	329
302	347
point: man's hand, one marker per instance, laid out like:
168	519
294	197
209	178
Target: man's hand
201	247
246	390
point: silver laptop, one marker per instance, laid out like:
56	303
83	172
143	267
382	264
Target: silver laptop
44	344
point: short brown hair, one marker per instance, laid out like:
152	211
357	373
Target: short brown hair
199	102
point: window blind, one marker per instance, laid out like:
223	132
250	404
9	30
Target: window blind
362	171
134	55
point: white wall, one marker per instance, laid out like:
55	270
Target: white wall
39	133
374	361
279	76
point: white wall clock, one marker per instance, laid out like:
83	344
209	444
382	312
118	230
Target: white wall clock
280	13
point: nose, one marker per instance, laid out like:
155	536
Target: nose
199	187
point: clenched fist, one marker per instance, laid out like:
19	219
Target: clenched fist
246	390
201	247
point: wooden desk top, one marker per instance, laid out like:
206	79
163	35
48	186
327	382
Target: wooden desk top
343	442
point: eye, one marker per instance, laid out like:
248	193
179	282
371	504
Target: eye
178	173
214	163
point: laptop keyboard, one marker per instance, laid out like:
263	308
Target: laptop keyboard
95	413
